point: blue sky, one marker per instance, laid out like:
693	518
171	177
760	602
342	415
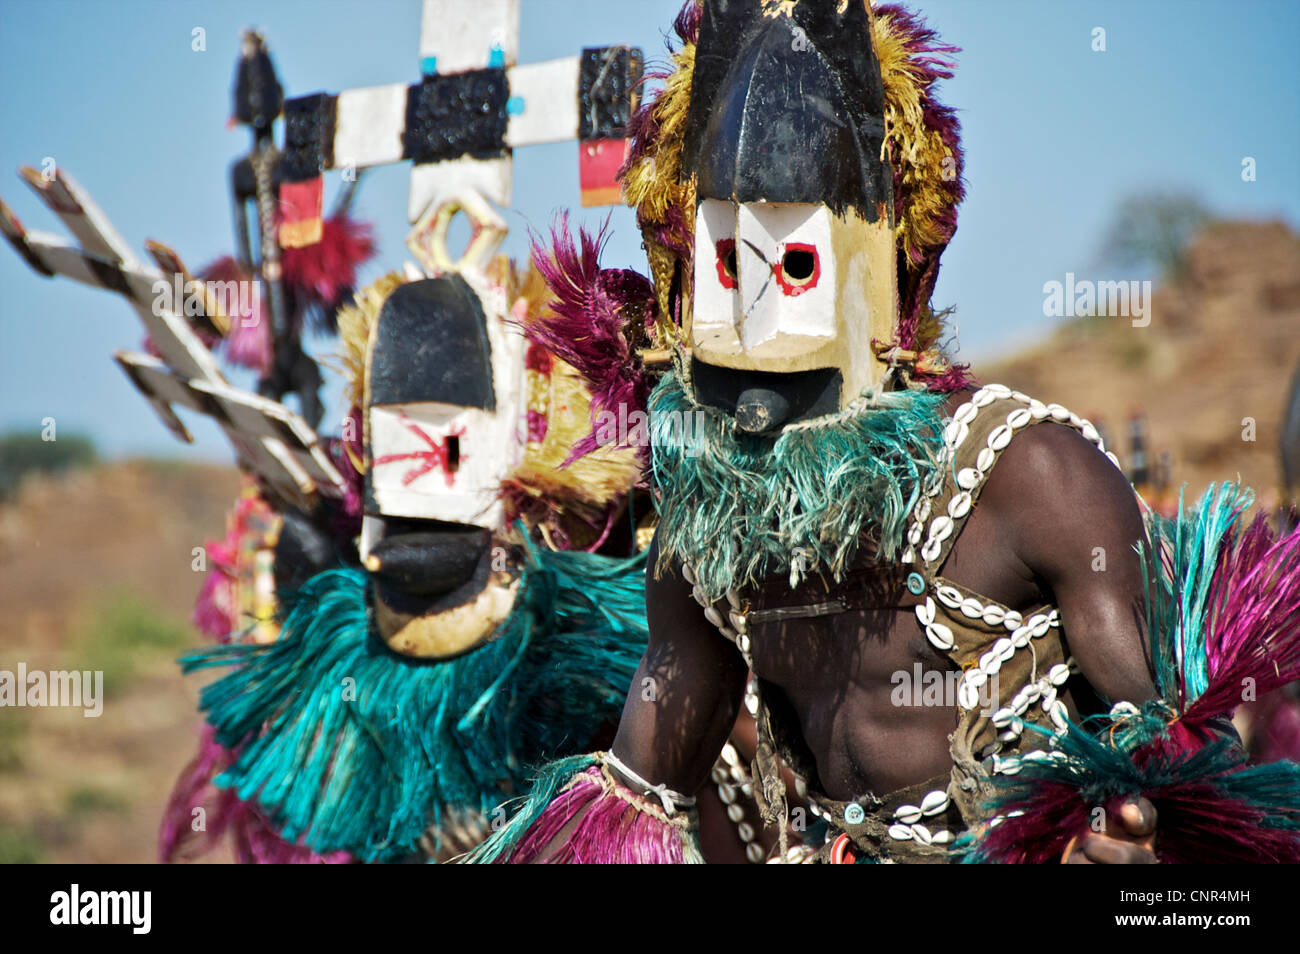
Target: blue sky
1055	136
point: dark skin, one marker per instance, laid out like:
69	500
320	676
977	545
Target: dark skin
1030	540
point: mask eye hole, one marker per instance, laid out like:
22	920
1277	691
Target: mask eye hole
726	249
799	269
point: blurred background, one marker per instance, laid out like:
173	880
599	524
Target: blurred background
1136	141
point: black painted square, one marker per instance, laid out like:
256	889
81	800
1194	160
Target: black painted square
309	136
460	114
608	81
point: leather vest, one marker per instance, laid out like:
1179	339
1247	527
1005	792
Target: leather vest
1013	665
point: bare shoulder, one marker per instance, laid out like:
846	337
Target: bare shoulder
1053	487
671	610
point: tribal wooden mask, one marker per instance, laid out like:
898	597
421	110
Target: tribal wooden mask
795	263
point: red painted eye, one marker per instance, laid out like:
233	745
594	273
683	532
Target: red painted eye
799	268
727	262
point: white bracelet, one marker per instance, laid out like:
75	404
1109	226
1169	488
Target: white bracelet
671	800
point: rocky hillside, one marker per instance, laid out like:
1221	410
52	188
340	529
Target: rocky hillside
95	572
1222	346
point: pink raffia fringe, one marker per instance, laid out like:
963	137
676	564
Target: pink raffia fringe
252	837
616	827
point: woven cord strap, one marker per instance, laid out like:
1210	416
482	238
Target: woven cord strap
672	801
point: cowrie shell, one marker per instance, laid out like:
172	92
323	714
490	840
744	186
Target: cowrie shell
955	433
921	834
930	552
1054	618
713	616
700	596
1032	692
742	643
1038	410
1019	417
948	596
900	832
746	831
990	663
914	534
971	608
940	636
999	390
909	555
925	612
739	620
1020	638
1075	420
922	512
968	696
736	812
907	814
984	460
959	506
754	853
1060	716
976	678
1090	431
942	837
1113	459
1010	766
1014	620
968	478
728	632
1002	718
966	413
1010	735
688	573
983	397
1049	697
993	614
1021	396
1058	674
934	803
941	527
733	599
1123	709
999	438
1058	413
1020	704
1003	649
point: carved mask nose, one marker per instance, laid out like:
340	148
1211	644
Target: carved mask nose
759	410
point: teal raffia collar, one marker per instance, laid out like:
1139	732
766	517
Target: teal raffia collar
740	508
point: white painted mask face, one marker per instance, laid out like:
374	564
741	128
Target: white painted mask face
440	461
443	459
785	287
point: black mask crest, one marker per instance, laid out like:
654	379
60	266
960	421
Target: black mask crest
431	344
789	108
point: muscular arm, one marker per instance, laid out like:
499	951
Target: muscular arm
1071	509
686	692
1070	513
